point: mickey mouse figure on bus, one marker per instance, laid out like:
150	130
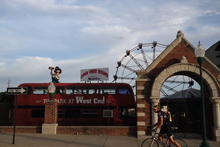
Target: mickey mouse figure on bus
55	74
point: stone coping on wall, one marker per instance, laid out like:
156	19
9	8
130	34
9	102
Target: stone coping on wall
70	126
96	126
78	130
20	127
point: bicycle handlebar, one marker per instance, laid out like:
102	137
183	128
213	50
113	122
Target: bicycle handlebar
152	127
154	131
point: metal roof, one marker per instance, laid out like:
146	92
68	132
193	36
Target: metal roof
188	93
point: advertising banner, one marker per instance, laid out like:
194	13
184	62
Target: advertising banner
98	74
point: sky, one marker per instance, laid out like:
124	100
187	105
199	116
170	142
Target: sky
81	34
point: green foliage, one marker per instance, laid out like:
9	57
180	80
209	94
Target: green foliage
4	98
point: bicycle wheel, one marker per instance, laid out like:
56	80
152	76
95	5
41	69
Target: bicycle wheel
149	142
180	141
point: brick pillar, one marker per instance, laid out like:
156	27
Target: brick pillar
50	114
50	118
143	107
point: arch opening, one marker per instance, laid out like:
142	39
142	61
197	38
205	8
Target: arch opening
185	104
178	84
211	87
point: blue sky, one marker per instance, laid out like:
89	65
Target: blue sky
79	34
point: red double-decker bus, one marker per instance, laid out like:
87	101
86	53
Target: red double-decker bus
90	104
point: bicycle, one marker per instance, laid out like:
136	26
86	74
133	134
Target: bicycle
154	141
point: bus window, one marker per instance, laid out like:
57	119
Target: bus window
89	113
124	91
93	91
40	91
72	113
69	91
80	91
107	113
61	114
77	91
29	90
108	91
60	90
37	113
84	91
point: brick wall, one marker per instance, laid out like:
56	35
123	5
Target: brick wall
98	130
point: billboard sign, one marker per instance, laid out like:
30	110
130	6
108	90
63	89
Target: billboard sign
97	74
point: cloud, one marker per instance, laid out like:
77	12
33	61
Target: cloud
105	29
74	35
177	14
24	67
208	35
24	9
211	12
40	24
9	44
35	69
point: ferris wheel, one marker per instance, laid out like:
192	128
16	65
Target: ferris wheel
139	58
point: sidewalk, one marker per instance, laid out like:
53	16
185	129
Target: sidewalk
39	140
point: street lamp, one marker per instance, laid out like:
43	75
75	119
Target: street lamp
200	53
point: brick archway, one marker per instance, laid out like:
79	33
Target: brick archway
177	59
210	81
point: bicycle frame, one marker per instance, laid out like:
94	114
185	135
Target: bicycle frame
155	139
165	143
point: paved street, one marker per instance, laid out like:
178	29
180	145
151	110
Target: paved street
39	140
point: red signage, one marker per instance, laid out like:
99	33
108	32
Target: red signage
99	74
